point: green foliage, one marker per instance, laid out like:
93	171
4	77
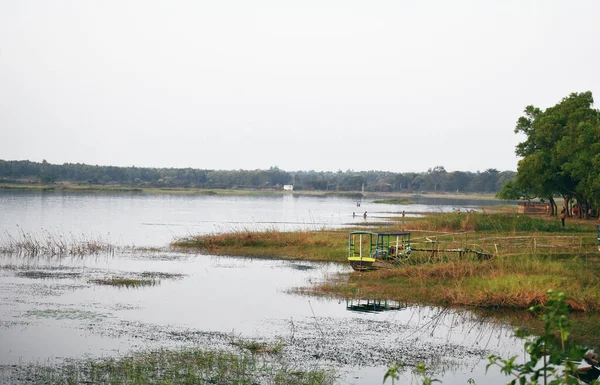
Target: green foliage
512	191
561	152
421	370
551	360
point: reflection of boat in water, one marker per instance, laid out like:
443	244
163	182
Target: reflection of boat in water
373	305
368	250
589	373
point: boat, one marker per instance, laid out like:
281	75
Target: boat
369	250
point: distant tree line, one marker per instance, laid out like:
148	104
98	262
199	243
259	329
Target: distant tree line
560	155
435	179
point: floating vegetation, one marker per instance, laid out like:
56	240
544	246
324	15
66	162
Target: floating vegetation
301	267
36	274
260	347
63	314
125	282
188	366
47	244
397	201
161	275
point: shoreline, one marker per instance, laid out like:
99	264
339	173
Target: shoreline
71	187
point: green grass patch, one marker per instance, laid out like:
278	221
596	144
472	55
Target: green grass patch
173	367
65	314
342	194
260	347
496	222
396	201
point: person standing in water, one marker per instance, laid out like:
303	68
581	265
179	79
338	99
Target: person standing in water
365	215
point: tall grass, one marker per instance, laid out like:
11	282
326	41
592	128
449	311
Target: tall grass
493	222
516	282
48	244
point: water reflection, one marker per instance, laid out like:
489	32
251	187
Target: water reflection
204	300
373	305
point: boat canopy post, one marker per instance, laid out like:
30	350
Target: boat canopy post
360	244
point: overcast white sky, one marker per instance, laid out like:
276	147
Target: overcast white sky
313	84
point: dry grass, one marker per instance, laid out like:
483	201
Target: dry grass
305	245
52	245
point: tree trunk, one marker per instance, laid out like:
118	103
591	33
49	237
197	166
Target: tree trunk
553	208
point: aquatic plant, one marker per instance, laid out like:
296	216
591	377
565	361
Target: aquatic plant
37	274
162	367
62	314
125	282
161	275
260	347
53	245
396	201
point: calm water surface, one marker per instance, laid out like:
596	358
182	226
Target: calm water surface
51	308
155	220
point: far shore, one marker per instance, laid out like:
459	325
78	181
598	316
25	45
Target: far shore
92	188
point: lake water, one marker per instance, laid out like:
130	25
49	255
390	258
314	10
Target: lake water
155	220
53	308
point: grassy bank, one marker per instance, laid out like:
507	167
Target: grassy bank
302	245
528	256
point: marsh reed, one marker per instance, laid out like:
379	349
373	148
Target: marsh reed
48	244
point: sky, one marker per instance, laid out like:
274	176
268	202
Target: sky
324	85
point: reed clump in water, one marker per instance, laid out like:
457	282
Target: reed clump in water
52	245
161	275
125	282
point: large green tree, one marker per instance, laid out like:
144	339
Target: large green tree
560	153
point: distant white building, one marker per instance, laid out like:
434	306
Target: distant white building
288	187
